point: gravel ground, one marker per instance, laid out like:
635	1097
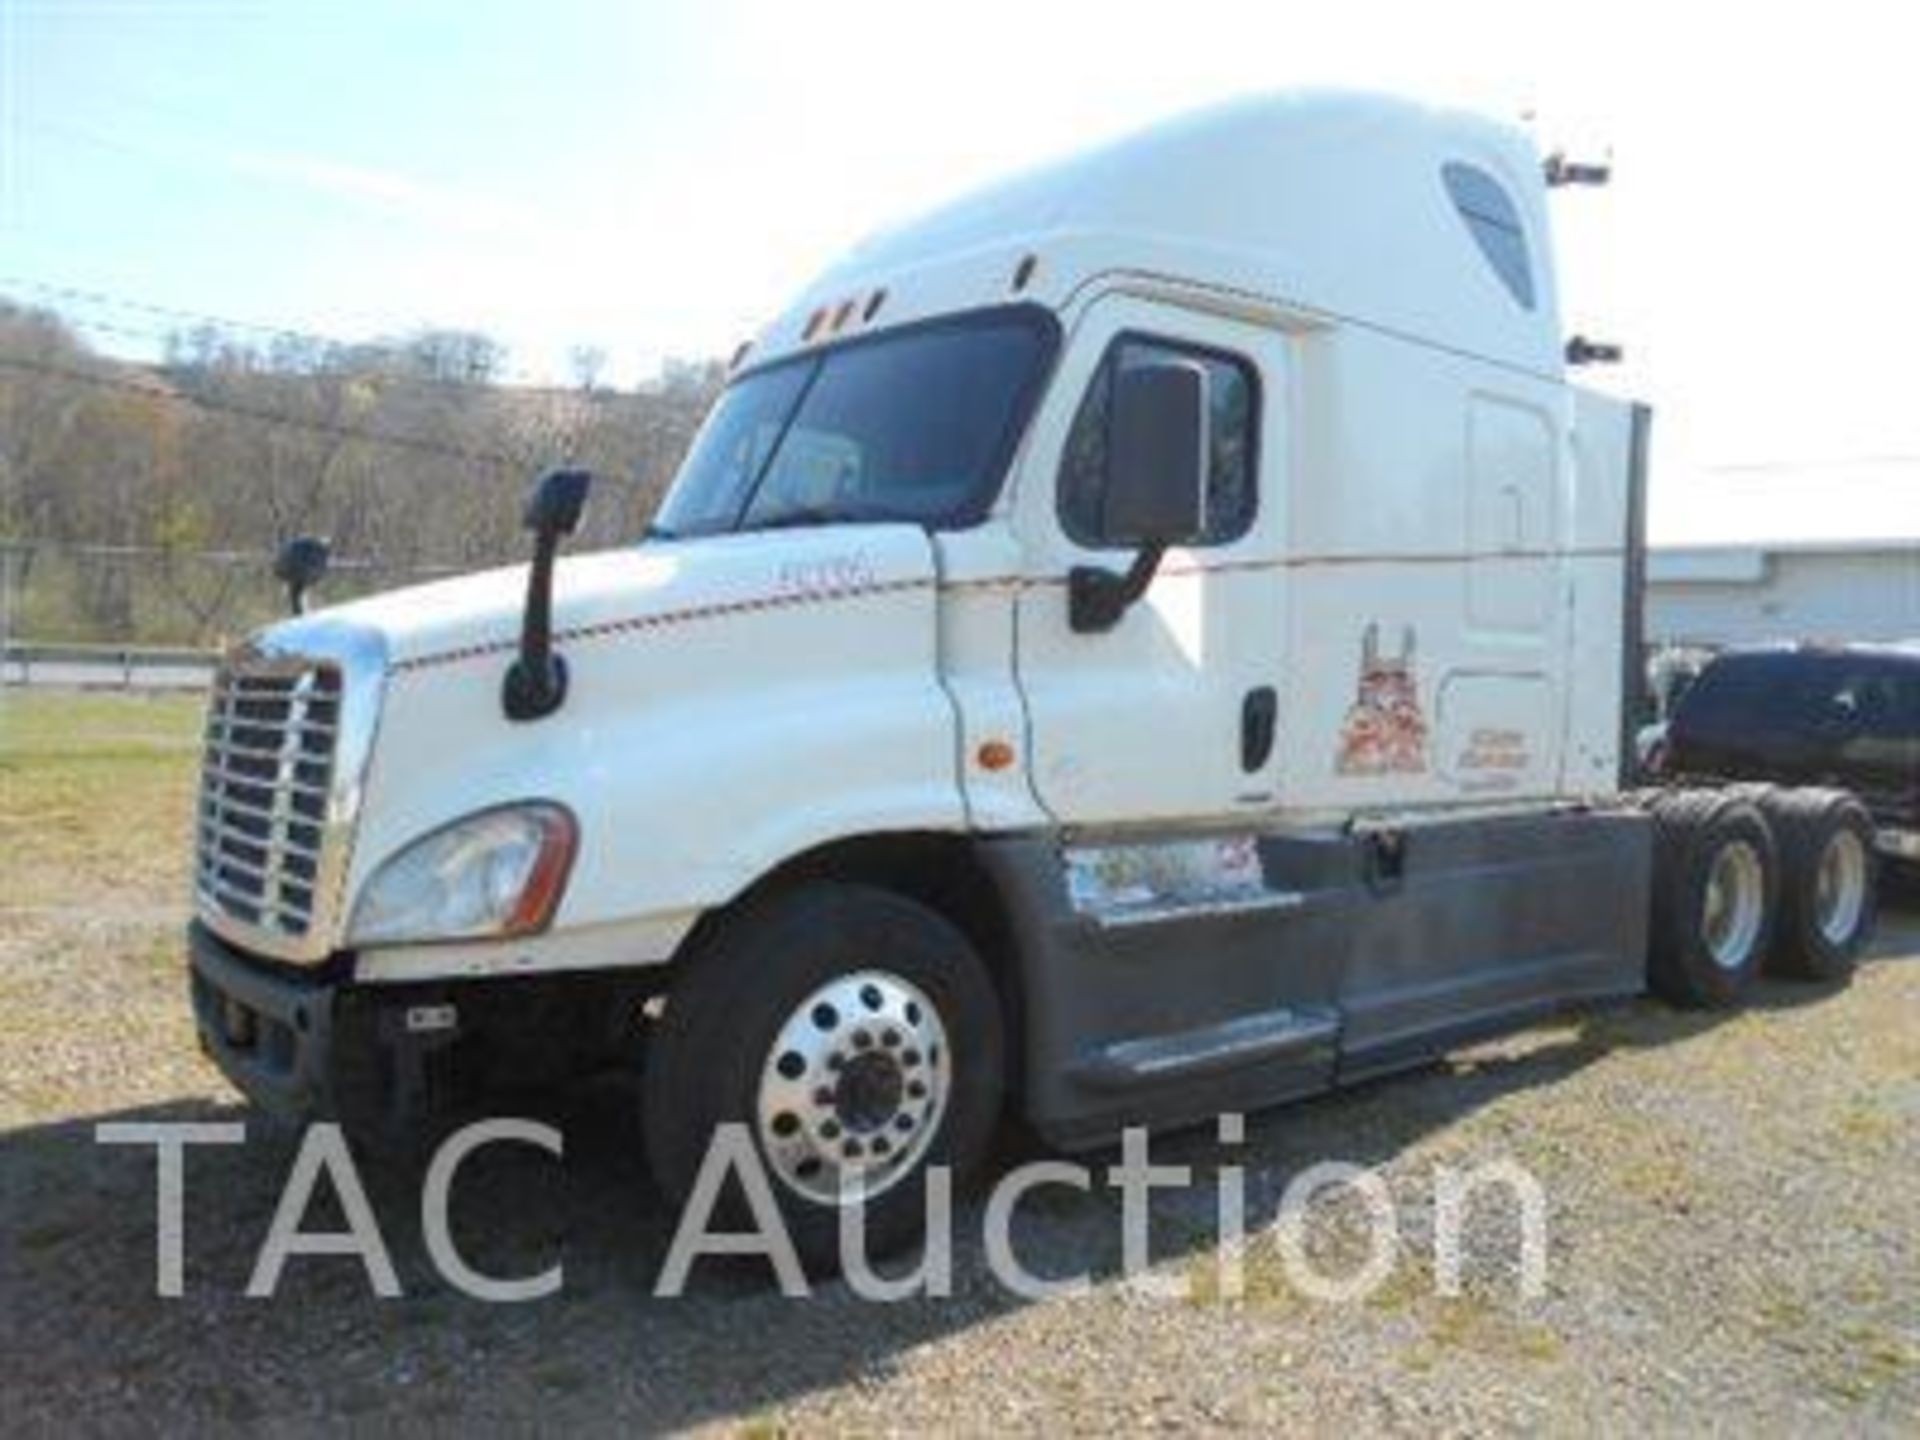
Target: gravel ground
1734	1233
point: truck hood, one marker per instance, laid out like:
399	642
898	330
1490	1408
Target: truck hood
639	587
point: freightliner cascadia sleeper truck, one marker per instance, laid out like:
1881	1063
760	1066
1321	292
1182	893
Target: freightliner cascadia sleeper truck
1146	640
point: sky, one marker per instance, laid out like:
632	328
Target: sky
653	177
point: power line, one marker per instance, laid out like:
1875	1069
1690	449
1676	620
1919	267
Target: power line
95	550
262	416
387	378
84	296
165	312
1819	464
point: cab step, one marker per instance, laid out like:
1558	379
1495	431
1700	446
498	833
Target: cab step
1245	1040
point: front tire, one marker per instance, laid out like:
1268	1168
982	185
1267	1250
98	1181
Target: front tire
1716	869
858	1038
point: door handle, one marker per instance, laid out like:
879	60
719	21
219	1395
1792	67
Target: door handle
1258	713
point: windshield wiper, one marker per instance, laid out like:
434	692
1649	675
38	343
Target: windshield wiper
819	515
658	532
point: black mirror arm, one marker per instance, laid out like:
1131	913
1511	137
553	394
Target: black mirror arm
537	681
1097	598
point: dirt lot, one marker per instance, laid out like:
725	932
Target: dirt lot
1734	1232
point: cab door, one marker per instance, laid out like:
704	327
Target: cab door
1169	715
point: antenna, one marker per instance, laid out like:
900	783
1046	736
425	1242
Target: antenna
1562	171
1582	351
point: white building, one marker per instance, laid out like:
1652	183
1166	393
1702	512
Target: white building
1814	553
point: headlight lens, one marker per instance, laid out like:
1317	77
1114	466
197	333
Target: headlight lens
497	873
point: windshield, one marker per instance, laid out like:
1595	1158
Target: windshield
916	426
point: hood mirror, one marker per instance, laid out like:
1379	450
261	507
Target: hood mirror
299	566
536	683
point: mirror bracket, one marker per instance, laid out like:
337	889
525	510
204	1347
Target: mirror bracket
530	694
536	683
1097	598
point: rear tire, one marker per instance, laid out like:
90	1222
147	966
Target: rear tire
1716	868
1828	883
857	1037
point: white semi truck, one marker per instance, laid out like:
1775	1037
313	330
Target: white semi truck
1146	640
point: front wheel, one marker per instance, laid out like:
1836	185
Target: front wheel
856	1036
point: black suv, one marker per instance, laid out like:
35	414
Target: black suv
1842	715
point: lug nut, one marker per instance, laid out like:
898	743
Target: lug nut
890	1039
823	1096
830	1129
862	1040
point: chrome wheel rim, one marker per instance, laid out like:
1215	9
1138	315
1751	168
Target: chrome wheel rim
1734	906
1840	888
853	1088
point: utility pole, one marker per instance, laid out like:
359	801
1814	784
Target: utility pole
6	608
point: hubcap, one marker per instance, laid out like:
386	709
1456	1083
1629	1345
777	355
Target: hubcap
1735	903
1840	888
853	1088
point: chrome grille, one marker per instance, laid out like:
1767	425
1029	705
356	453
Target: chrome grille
266	784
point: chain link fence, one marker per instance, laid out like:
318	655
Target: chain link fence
142	616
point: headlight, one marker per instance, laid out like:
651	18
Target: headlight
494	874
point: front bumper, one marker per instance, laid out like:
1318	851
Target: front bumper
390	1062
271	1032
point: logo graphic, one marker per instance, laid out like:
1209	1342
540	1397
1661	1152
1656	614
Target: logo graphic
1385	732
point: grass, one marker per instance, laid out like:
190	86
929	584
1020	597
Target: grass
95	801
96	797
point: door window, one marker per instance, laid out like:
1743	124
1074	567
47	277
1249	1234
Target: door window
1233	394
1878	701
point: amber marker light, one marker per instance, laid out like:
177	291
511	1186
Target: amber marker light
541	894
994	755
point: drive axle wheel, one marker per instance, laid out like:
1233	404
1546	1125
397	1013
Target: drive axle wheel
855	1035
1827	883
1714	886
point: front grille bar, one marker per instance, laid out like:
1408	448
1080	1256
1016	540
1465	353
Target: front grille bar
266	785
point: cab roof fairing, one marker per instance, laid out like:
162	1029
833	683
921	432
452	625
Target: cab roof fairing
1330	203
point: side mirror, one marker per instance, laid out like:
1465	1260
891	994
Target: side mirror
536	682
557	502
1156	484
1157	454
299	565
